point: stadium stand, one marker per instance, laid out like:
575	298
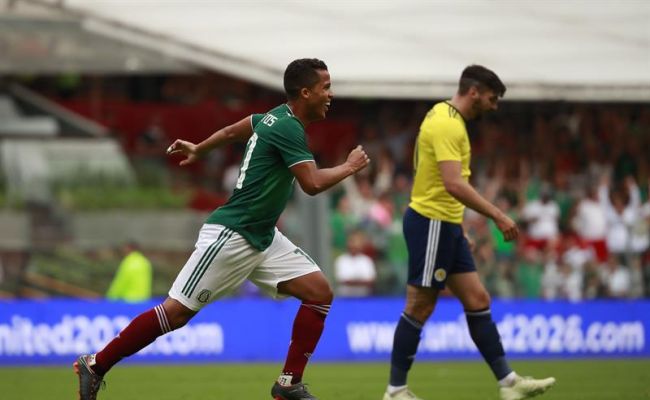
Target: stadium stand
560	132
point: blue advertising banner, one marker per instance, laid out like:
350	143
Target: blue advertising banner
55	331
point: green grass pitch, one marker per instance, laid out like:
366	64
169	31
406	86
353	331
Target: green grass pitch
588	380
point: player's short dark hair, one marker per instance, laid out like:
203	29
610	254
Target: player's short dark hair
481	77
301	73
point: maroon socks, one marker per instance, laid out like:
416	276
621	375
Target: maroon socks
141	332
307	328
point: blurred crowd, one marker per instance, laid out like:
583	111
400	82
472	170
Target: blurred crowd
575	176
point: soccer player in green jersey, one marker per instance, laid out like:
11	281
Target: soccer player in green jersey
439	253
239	241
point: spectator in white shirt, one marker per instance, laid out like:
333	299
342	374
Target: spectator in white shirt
354	271
616	279
644	259
622	210
638	223
590	224
561	280
542	216
551	279
572	283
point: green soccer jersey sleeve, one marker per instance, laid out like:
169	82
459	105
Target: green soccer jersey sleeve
255	119
289	139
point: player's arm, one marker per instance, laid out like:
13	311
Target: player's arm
462	191
238	132
313	180
470	240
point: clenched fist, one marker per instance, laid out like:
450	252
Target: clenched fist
357	159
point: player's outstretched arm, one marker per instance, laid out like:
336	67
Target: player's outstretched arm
313	180
461	190
238	132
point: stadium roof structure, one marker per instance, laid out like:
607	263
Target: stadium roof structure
543	50
35	41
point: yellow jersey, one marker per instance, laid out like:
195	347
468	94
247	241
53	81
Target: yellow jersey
442	137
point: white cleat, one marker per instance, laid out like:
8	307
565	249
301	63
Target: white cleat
403	394
525	388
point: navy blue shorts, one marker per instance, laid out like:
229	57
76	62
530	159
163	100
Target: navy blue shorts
436	249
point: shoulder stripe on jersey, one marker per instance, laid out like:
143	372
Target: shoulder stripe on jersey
453	113
206	255
300	162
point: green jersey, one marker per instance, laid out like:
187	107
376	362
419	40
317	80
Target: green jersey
265	182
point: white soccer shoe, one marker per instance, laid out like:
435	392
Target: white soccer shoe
403	394
525	388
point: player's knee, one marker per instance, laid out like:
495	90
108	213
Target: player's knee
319	294
419	308
328	296
420	311
322	296
478	301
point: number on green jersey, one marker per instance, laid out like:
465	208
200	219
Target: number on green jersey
247	159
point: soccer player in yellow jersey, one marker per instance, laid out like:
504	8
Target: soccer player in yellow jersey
439	253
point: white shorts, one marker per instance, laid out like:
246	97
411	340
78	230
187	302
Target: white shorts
222	260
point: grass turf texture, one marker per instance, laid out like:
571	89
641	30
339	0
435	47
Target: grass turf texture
590	379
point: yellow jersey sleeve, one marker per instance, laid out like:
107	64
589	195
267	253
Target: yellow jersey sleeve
447	140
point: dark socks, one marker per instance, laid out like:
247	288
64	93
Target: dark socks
405	345
488	341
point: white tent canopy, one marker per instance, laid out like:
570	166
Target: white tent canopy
572	50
